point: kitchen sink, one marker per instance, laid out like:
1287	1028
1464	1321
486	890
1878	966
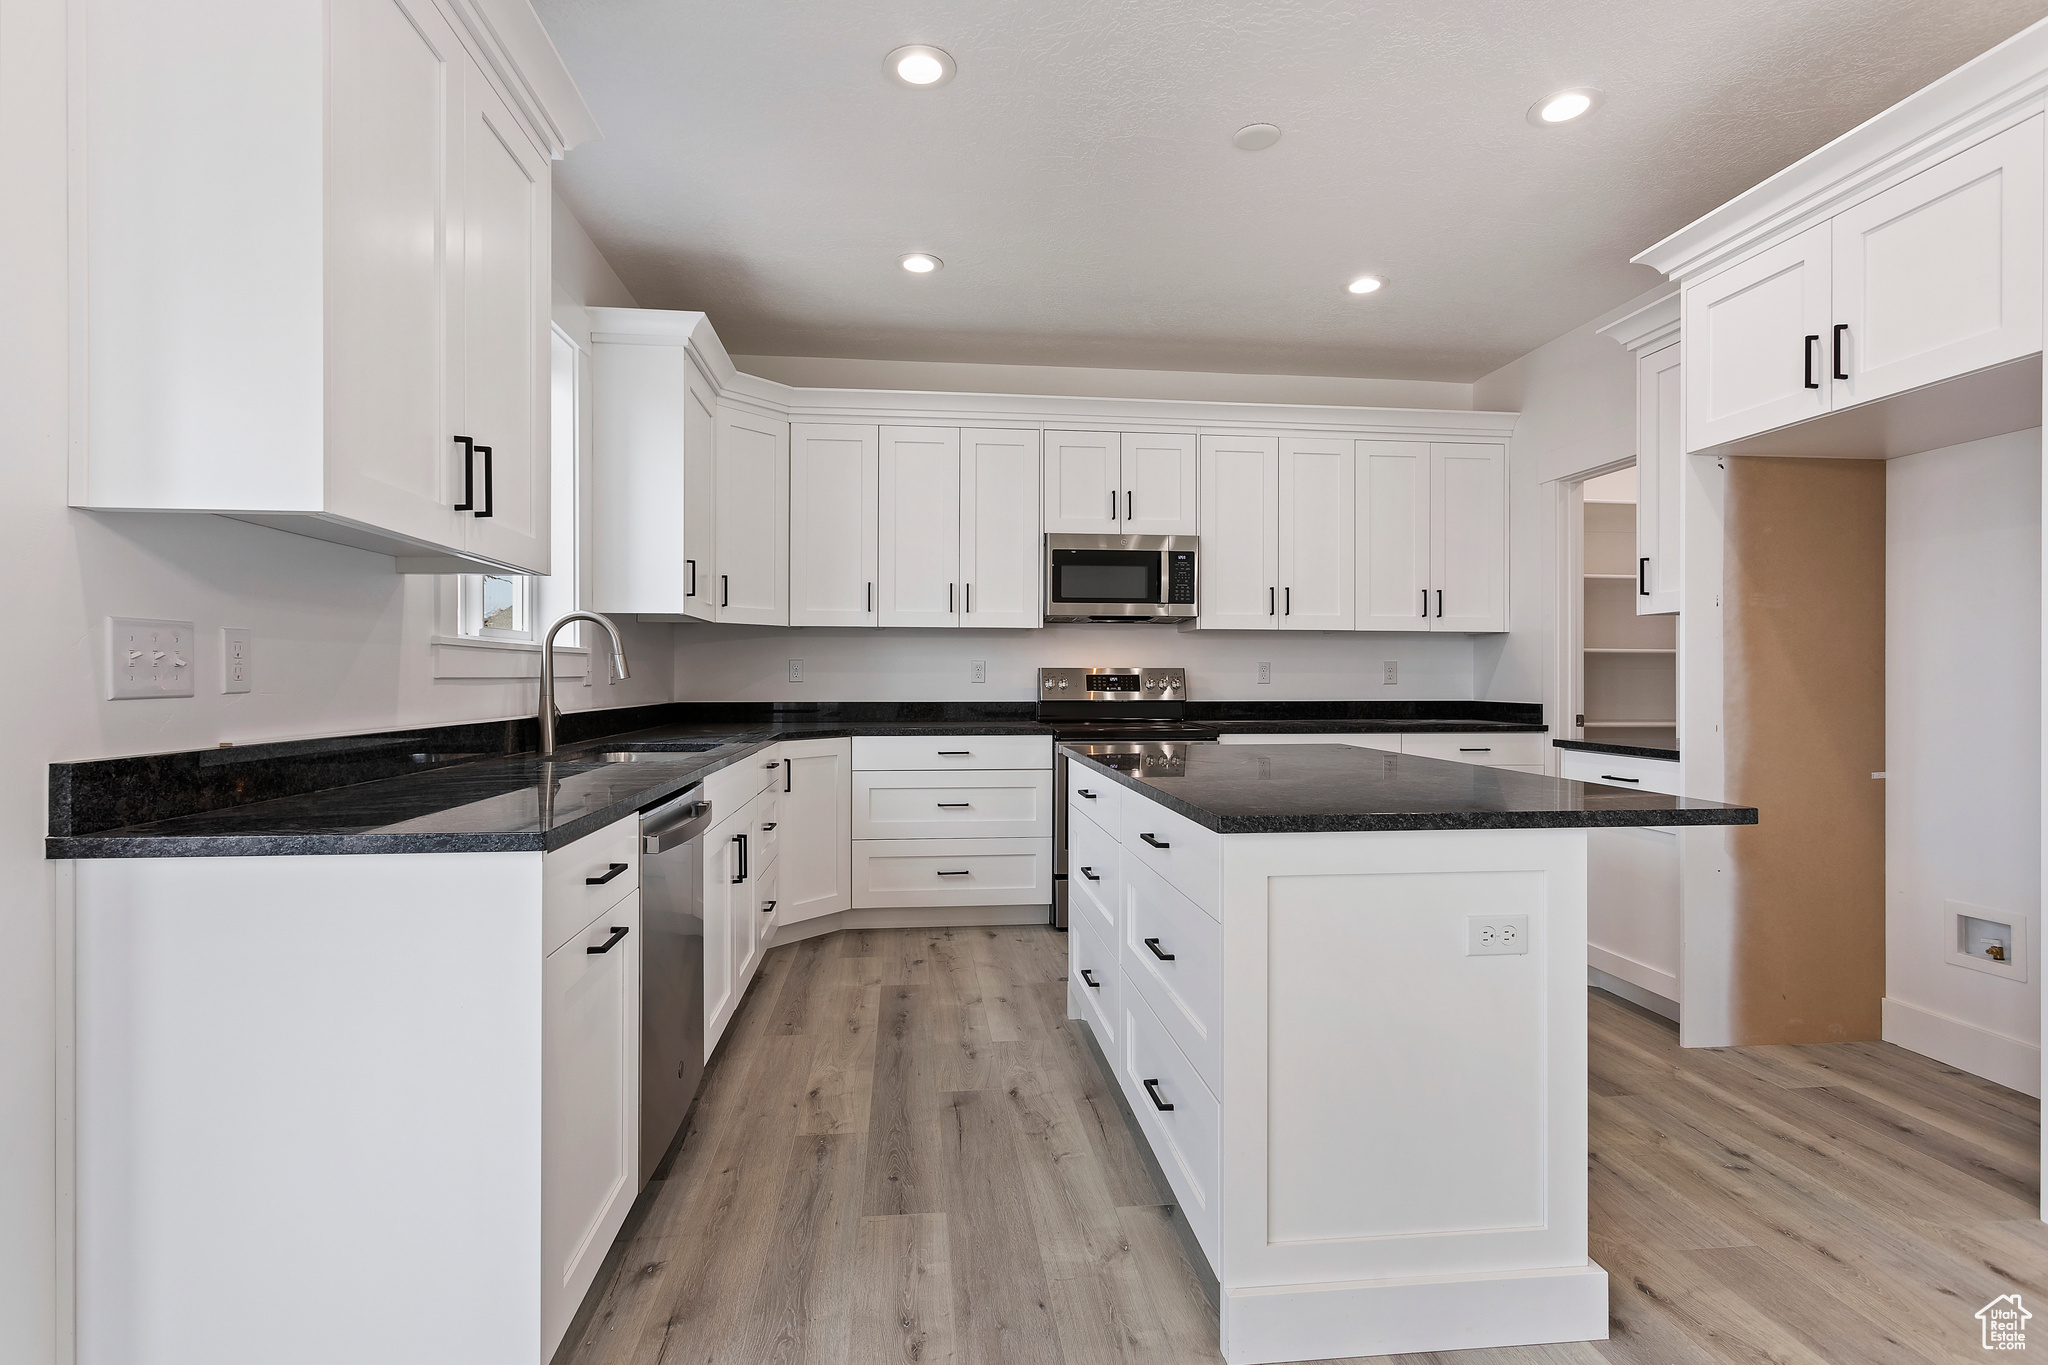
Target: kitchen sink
646	755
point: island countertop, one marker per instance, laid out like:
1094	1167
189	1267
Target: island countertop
1337	788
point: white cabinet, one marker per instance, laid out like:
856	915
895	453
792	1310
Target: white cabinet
1468	536
815	861
752	536
725	912
590	1104
1392	521
1756	332
1317	541
834	523
1660	480
1240	501
383	215
964	820
1120	483
1000	578
919	582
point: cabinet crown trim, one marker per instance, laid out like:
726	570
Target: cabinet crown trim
508	36
1649	327
1979	98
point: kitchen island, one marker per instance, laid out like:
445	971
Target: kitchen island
1343	993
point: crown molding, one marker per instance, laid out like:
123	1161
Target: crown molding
1654	324
527	70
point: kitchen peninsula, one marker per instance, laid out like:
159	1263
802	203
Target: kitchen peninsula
1342	991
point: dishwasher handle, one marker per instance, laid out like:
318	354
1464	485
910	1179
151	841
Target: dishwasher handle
692	819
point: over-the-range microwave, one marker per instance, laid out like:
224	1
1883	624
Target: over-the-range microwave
1120	578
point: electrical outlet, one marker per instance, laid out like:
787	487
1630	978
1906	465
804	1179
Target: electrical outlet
147	658
235	661
978	671
1496	935
796	670
1390	673
1265	673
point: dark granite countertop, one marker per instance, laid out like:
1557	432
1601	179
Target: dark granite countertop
1337	788
1373	727
1587	746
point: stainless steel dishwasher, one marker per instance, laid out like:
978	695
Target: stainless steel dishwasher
671	969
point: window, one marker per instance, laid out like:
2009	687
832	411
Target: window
494	606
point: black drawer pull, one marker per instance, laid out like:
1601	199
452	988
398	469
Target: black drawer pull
1808	346
619	931
1152	1089
963	872
769	908
1089	873
1610	777
1153	944
955	753
770	825
955	805
788	772
616	869
1841	331
740	844
1156	843
1088	978
1475	751
775	764
1084	793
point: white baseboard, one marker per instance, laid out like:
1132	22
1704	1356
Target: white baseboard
1394	1317
1635	973
1979	1051
1634	994
912	917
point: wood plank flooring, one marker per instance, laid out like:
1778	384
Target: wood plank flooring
903	1154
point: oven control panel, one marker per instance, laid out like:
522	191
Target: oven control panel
1113	684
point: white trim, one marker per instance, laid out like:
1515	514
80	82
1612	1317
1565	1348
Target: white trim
1641	975
1649	327
523	63
465	656
915	917
2011	1062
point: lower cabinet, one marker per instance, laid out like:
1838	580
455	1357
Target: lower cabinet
1181	1118
961	820
1634	925
1520	751
816	873
738	863
934	872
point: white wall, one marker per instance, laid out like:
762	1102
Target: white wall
751	663
1962	744
341	644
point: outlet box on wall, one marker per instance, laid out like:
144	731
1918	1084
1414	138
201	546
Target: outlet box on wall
1975	931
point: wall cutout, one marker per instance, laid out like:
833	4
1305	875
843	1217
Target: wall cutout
1992	941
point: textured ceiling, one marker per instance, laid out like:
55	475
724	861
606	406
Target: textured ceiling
1077	176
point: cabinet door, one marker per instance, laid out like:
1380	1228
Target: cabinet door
1240	587
1083	482
1660	473
1468	536
724	852
999	541
1393	535
395	73
1758	334
653	467
920	527
1940	275
504	329
753	519
834	518
751	910
1159	481
816	861
590	1105
1317	533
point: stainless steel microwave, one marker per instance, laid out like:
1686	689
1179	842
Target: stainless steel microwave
1121	578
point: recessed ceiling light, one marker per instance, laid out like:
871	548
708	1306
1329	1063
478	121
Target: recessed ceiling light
1255	137
1563	107
920	263
1365	284
920	65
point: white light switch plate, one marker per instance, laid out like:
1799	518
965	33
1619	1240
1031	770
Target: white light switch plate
147	658
1496	935
235	662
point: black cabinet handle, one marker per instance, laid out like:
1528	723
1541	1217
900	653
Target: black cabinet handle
956	753
1610	777
1439	604
954	805
769	908
1152	1089
1841	330
691	565
1425	602
1153	944
741	840
770	825
1643	576
1156	843
1269	602
619	931
949	597
1475	751
725	590
468	502
788	774
1089	873
1112	504
1128	510
967	597
1084	793
1289	598
616	869
1812	344
870	599
1088	979
772	765
963	872
490	500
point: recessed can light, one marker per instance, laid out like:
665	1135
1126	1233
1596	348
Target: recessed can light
921	263
919	65
1365	284
1564	106
1255	137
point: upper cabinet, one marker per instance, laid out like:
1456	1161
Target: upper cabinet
834	523
751	475
1432	536
376	376
1120	483
958	536
1240	563
1651	335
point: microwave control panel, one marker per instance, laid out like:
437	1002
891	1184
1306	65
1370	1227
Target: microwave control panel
1180	577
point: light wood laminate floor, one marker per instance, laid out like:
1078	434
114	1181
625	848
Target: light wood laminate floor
903	1154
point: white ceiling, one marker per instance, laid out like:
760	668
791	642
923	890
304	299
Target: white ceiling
1077	176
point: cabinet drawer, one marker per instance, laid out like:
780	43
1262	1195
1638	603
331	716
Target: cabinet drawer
1386	743
1094	877
1173	953
1012	804
1091	794
1617	770
1094	985
766	841
1487	750
881	753
578	880
1186	1139
914	872
730	788
1177	849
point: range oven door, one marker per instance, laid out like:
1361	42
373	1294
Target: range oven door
1120	578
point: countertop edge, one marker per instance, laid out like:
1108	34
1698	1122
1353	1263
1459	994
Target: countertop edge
1591	746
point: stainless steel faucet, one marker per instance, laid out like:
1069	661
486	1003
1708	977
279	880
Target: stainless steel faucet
548	710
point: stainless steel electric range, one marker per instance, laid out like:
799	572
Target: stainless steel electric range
1133	718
